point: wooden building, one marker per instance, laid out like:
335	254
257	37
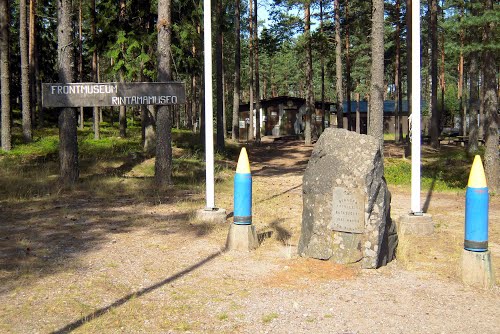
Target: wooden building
285	116
359	115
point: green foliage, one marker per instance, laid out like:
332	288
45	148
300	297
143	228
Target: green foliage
442	171
41	146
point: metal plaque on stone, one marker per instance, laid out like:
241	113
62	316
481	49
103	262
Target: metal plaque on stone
348	210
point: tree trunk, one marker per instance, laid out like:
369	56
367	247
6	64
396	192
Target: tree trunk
68	144
190	104
376	128
25	72
338	61
463	125
397	79
491	159
358	116
80	55
219	79
194	104
474	105
96	111
122	116
348	69
322	59
237	70
149	121
163	163
434	74
33	64
251	68
443	80
5	74
309	75
257	78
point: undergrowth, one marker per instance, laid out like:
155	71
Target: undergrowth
445	170
31	170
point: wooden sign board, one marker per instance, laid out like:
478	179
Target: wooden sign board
112	94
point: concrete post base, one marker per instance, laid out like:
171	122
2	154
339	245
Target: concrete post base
415	225
216	215
242	238
477	270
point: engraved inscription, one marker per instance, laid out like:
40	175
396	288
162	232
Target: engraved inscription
348	211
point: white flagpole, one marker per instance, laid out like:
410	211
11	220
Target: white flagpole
415	109
209	130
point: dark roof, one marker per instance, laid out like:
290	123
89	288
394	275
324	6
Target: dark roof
389	106
283	99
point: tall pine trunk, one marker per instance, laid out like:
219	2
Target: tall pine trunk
25	72
376	128
338	66
435	119
397	79
257	78
309	74
491	158
251	68
68	144
463	125
33	65
80	54
348	69
6	136
219	79
96	111
474	105
408	57
442	69
237	72
322	60
122	116
163	162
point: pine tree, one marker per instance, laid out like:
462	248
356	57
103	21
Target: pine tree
257	76
25	72
338	72
237	72
490	63
5	75
433	28
163	162
219	78
68	144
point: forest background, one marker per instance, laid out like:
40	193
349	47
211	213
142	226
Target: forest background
254	60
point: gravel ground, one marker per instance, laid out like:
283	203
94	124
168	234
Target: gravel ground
125	266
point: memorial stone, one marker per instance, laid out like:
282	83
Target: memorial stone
346	213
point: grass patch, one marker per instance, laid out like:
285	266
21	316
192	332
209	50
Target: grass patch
389	136
267	318
108	165
445	170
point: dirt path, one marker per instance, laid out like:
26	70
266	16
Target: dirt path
127	265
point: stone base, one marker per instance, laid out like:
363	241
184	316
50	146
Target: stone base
477	270
242	238
415	225
216	215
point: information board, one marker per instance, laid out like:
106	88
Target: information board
90	94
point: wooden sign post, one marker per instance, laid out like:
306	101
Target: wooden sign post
112	94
